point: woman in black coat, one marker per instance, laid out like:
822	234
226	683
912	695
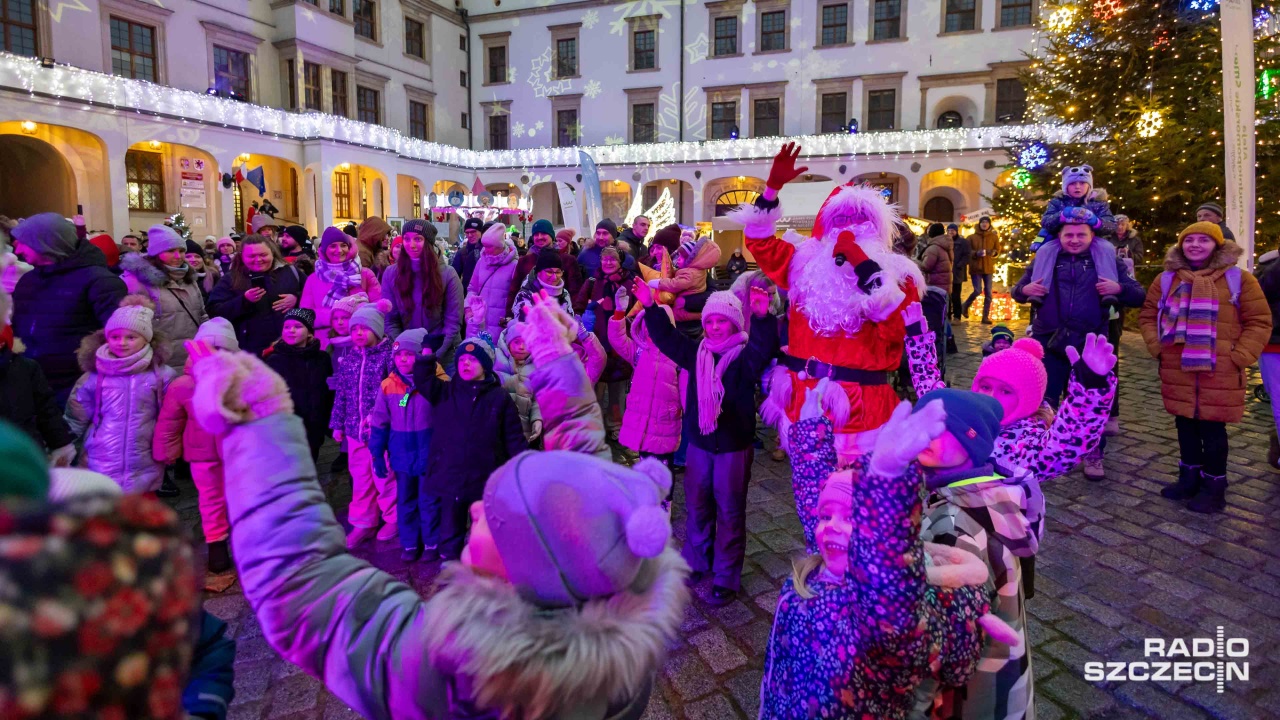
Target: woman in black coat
256	293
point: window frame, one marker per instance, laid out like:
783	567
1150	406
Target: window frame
715	36
341	7
822	111
644	96
559	33
132	176
562	58
946	13
492	42
996	114
229	39
821	41
732	122
650	52
872	95
1033	12
307	86
425	134
133	54
370	18
498	111
377	104
247	92
38	27
334	75
342	195
901	31
421	53
756	103
561	104
635	137
763	10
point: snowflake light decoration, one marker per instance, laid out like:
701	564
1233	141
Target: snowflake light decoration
697	50
590	18
1203	5
1020	179
1104	10
1063	19
518	128
1033	156
592	89
1149	123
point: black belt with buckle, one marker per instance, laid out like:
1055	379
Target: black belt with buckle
814	368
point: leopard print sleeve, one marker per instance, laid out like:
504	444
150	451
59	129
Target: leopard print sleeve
922	359
813	458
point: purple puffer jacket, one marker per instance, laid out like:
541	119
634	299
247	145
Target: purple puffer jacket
651	422
356	381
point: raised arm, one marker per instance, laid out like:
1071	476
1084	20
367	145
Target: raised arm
682	350
812	447
922	351
570	415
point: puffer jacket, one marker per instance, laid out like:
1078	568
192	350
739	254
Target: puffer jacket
1242	333
515	380
691	279
179	304
257	324
1051	220
316	289
306	370
1268	274
491	280
357	376
56	306
401	426
980	242
937	262
651	421
445	319
117	416
961	255
573	273
178	433
1073	303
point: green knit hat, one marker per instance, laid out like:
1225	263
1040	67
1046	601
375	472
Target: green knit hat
26	471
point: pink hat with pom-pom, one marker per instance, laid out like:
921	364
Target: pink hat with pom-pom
571	527
1022	368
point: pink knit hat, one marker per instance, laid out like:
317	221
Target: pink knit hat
1022	368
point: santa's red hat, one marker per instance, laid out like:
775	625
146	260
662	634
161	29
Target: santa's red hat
859	208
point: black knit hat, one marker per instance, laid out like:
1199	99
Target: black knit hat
935	230
548	260
193	248
302	315
474	223
420	227
299	235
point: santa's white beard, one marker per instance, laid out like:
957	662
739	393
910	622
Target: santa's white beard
828	294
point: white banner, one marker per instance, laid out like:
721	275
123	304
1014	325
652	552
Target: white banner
1238	120
569	208
591	197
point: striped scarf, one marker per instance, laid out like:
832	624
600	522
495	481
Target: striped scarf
1191	318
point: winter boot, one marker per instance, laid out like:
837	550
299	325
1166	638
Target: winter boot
1273	455
168	486
1212	497
219	558
1187	485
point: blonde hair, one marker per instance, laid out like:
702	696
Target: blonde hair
1044	414
801	569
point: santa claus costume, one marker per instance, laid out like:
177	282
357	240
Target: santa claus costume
847	290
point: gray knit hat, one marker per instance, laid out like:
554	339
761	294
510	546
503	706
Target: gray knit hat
161	238
49	234
370	317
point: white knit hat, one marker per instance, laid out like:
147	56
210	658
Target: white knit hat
725	303
135	313
161	238
495	236
219	333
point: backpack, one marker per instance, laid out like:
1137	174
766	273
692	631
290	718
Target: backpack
1166	283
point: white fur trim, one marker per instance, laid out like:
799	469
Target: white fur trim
836	403
867	206
756	223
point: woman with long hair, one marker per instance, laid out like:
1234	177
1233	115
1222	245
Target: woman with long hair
423	292
256	293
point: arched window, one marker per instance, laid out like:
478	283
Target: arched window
730	200
950	119
940	209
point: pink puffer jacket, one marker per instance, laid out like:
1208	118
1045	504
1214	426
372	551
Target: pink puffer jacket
651	422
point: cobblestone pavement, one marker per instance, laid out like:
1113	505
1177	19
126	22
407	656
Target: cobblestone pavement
1118	564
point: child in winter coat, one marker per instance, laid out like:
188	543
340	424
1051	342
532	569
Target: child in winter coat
338	275
117	401
306	368
337	338
692	261
356	379
547	276
401	430
652	419
493	639
720	420
872	589
514	367
26	400
179	435
1076	204
1001	339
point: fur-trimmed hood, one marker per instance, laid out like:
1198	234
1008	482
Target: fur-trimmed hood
140	267
535	664
1227	255
88	349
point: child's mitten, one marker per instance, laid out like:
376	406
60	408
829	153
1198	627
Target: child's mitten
549	331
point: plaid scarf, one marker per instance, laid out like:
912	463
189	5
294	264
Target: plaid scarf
1191	318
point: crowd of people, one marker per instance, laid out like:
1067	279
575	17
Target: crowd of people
521	410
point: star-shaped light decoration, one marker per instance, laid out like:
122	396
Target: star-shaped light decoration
697	50
55	12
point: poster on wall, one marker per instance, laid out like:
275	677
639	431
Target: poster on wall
192	197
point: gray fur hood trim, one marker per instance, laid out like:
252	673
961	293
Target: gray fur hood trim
532	663
140	267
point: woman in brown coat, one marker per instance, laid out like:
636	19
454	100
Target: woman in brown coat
982	265
1204	339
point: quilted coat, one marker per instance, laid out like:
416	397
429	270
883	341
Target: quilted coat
357	377
179	303
937	260
117	415
986	241
651	421
178	433
491	280
1241	334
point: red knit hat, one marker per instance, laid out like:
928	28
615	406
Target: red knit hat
1022	368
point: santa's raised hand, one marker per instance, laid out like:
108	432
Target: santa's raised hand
784	169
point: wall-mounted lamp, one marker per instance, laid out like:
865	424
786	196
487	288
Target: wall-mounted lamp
28	127
155	144
344	166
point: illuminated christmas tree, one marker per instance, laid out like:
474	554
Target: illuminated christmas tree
1143	79
179	225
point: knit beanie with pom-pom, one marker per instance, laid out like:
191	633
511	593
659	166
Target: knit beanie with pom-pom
136	313
572	527
350	303
1022	368
495	237
727	304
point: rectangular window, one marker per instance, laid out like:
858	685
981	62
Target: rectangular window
1011	100
466	121
342	194
144	175
766	118
961	15
642	125
337	7
365	14
498	132
773	30
724	118
462	78
726	36
231	71
835	24
18	26
567	57
498	64
566	128
133	50
1015	13
413	38
834	106
643	45
418	116
292	81
882	106
311	93
462	43
367	105
888	20
417	200
338	88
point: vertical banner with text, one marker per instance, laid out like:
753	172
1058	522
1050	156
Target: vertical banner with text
592	200
569	206
1238	121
